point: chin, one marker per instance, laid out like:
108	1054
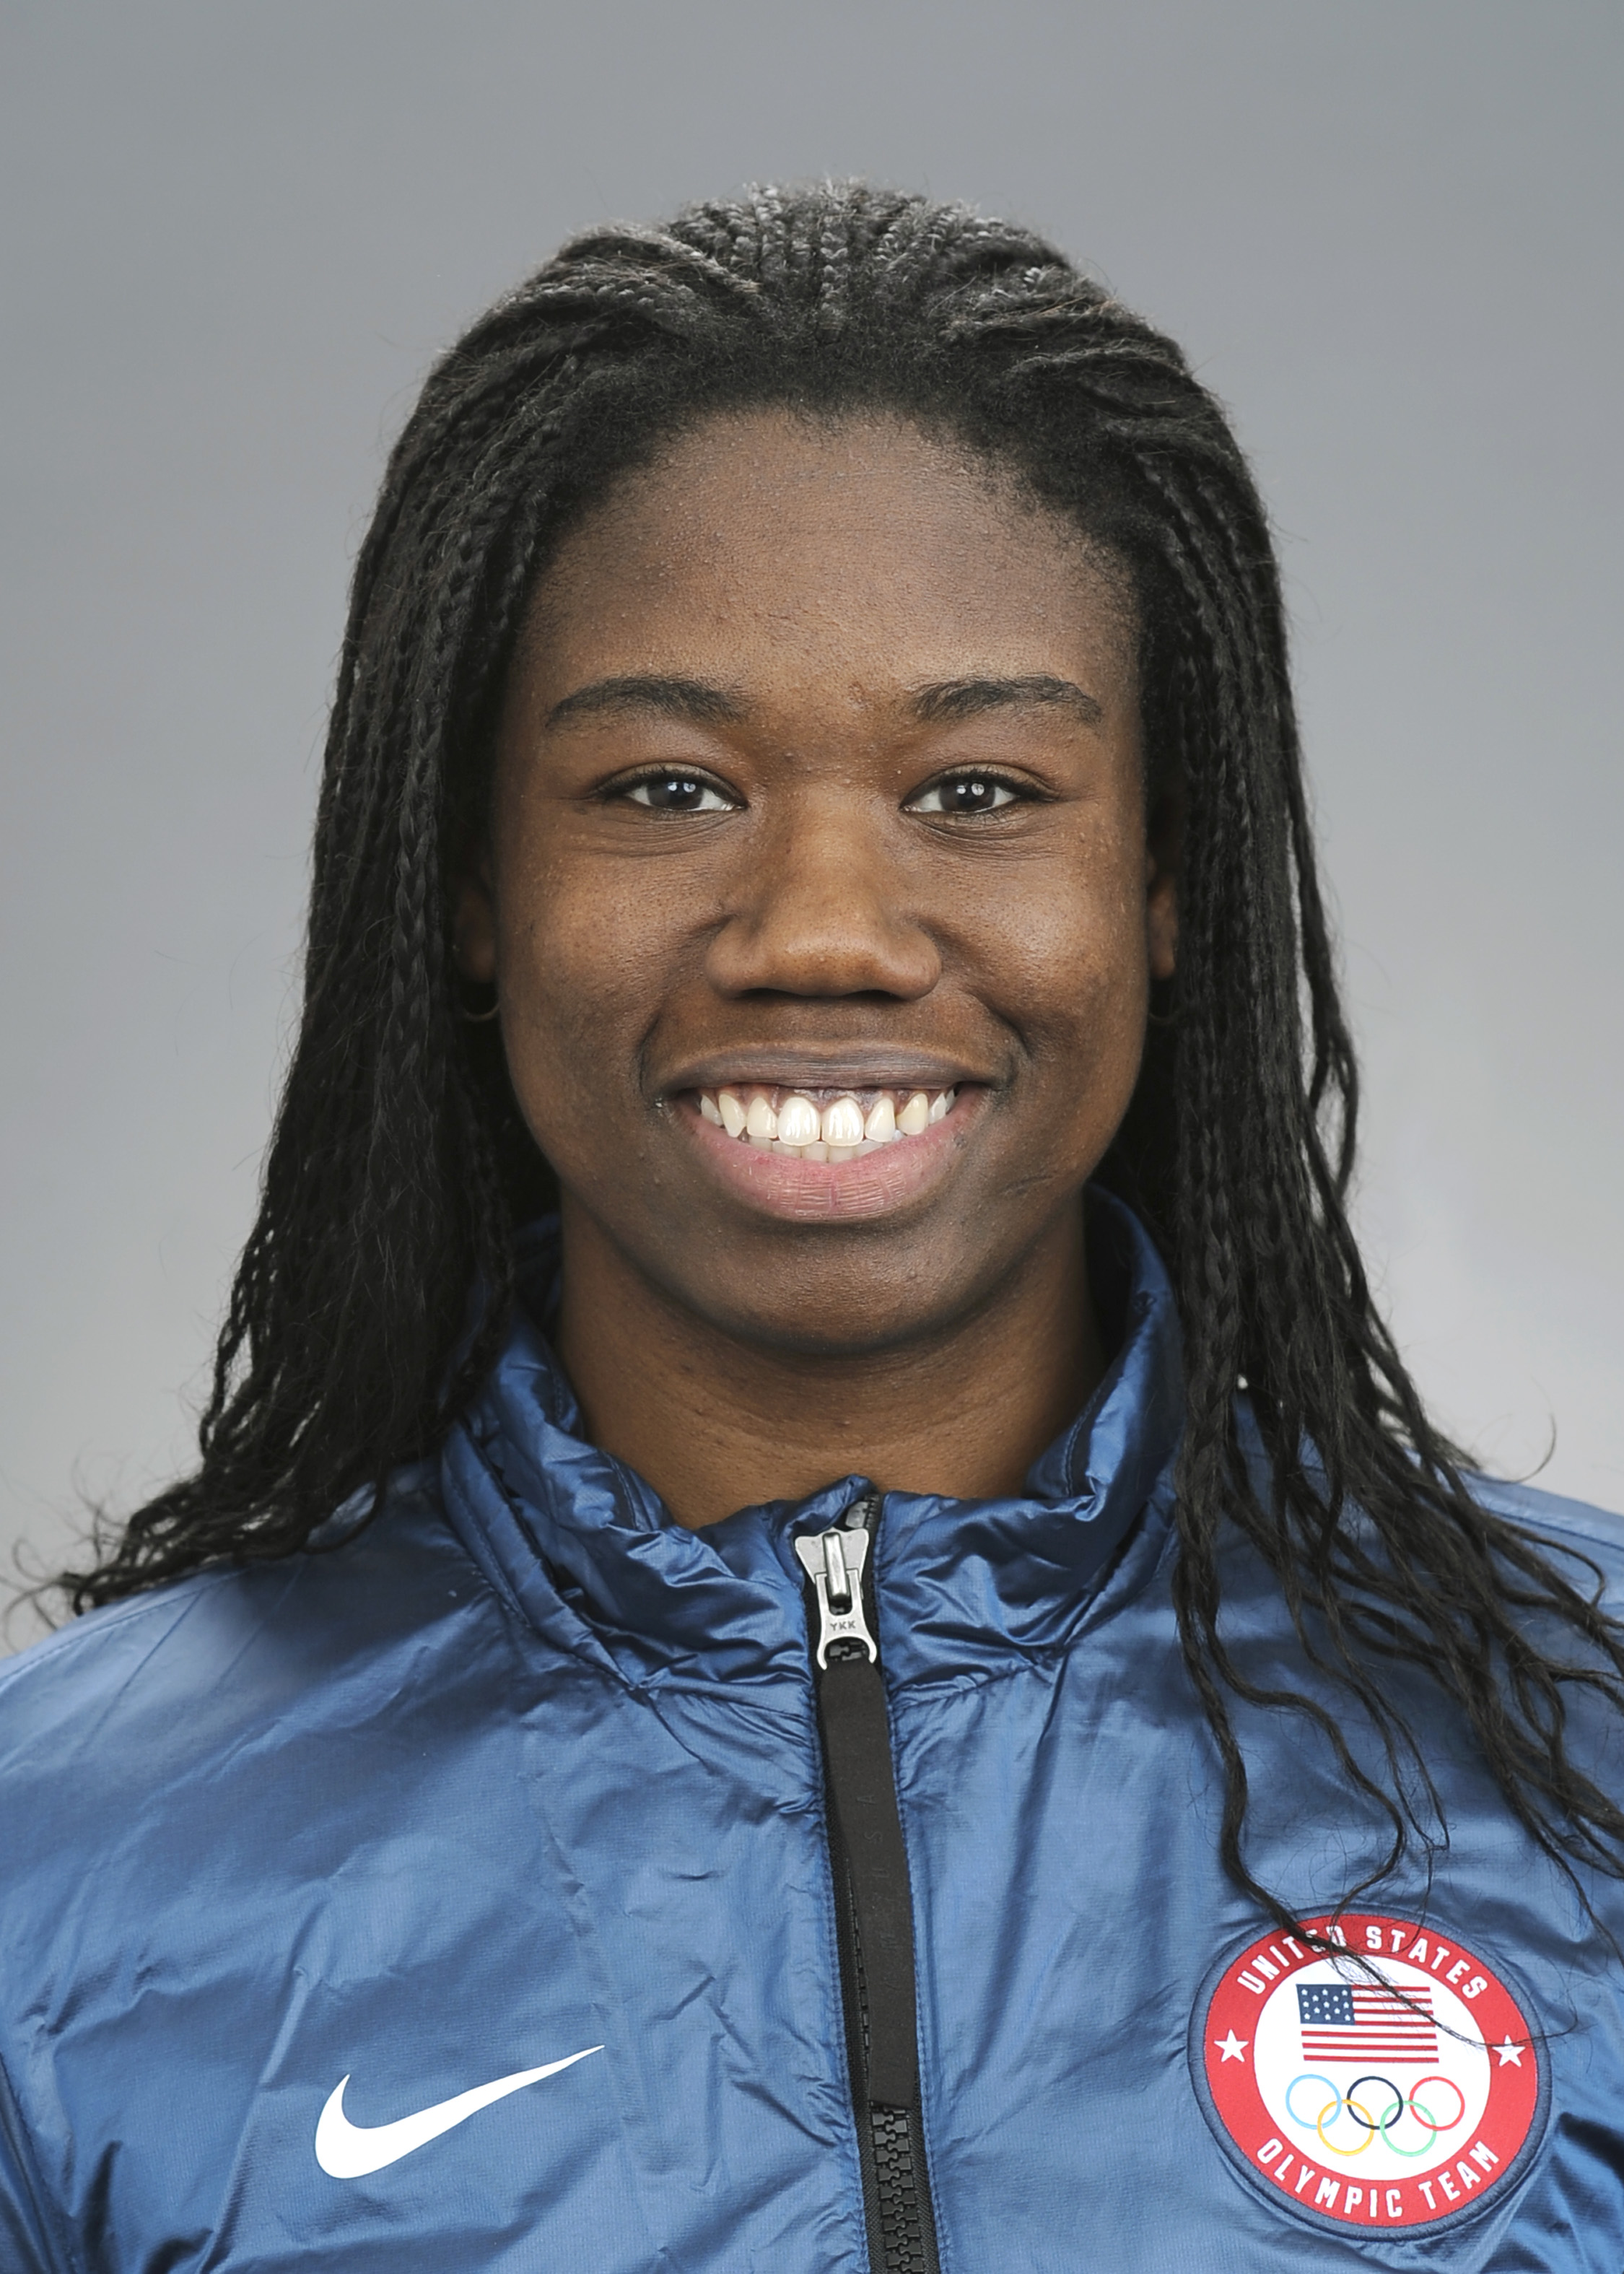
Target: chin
819	1308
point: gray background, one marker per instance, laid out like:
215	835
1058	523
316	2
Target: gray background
234	237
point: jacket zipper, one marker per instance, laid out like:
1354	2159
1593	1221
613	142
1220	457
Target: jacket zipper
874	1909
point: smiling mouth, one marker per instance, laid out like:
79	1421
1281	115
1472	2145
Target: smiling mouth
823	1125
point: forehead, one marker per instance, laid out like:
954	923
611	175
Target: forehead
764	544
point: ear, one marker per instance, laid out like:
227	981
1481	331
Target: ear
1164	835
473	928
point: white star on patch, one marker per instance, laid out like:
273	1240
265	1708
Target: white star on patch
1509	2053
1233	2048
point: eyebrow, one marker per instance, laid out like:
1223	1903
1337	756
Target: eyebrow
969	698
702	704
671	697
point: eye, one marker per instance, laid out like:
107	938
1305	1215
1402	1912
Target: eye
674	793
964	793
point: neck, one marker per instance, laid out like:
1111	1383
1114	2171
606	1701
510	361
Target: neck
714	1424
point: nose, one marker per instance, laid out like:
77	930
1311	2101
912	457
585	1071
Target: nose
825	910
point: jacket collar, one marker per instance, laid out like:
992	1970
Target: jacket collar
584	1551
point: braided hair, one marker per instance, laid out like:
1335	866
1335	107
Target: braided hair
399	1165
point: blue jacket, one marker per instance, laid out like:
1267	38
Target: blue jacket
507	1813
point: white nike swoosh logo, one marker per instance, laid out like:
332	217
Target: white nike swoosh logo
349	2151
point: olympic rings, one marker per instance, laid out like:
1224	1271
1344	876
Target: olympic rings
1311	2077
1359	2115
1374	2127
1438	2078
1330	2147
1428	2145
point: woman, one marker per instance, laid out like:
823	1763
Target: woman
900	1677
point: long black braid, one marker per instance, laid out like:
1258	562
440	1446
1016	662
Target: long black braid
398	1164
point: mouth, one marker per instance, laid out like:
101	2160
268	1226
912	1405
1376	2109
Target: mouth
816	1154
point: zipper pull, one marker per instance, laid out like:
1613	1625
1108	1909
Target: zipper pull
834	1562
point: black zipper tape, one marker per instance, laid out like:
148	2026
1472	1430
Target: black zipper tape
875	1930
862	1800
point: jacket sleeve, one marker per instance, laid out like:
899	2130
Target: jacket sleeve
28	2243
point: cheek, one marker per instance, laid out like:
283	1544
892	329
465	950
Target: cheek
591	953
566	983
1075	952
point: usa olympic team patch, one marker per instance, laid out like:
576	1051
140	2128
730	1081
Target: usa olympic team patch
1396	2084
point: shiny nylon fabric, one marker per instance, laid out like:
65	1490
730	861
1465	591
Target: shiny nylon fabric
522	1768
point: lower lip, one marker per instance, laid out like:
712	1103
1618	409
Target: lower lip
834	1192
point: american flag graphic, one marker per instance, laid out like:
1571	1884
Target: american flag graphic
1358	2021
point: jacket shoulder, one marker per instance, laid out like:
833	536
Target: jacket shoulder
1574	1528
135	1696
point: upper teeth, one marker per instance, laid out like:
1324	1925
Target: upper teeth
837	1132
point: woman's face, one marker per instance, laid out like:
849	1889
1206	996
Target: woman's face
819	792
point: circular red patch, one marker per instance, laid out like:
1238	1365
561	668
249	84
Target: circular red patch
1390	2085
